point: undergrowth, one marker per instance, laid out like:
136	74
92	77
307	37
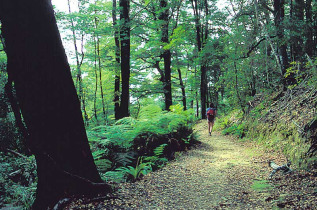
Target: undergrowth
17	181
134	147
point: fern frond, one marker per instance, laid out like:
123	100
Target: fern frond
103	164
126	121
124	159
150	112
159	151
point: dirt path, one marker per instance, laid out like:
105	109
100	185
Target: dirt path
218	174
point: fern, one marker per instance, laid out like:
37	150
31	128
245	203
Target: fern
103	164
126	121
149	112
123	159
134	173
178	109
114	176
158	151
150	133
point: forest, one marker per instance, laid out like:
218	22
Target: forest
99	92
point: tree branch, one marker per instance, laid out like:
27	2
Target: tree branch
255	46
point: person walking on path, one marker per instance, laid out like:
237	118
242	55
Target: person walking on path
211	114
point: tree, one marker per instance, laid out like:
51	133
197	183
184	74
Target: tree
166	55
125	57
47	99
201	38
117	58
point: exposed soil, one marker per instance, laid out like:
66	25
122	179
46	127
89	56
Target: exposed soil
220	173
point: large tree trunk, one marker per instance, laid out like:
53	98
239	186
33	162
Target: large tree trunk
47	98
117	57
125	57
164	18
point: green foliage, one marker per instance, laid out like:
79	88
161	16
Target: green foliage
134	173
158	151
17	181
153	138
257	111
157	161
236	130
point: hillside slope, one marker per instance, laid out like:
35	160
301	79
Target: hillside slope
286	122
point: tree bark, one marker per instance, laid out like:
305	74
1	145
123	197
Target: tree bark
181	83
100	79
125	57
117	57
164	18
278	20
96	77
48	101
309	45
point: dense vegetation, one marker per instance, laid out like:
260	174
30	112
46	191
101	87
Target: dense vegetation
132	59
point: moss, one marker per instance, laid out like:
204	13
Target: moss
261	185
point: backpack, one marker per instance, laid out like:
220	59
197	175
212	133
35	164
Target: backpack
211	114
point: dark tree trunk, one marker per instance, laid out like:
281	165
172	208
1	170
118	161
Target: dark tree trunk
181	83
203	78
48	101
309	45
197	25
164	17
125	57
298	21
278	20
117	57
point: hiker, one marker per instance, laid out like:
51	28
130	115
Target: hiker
211	114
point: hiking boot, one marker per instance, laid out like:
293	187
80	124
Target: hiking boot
209	133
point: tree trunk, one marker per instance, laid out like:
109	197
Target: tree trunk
236	84
99	63
182	88
125	56
164	18
100	79
278	20
298	21
203	91
117	57
203	78
48	101
96	77
309	45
